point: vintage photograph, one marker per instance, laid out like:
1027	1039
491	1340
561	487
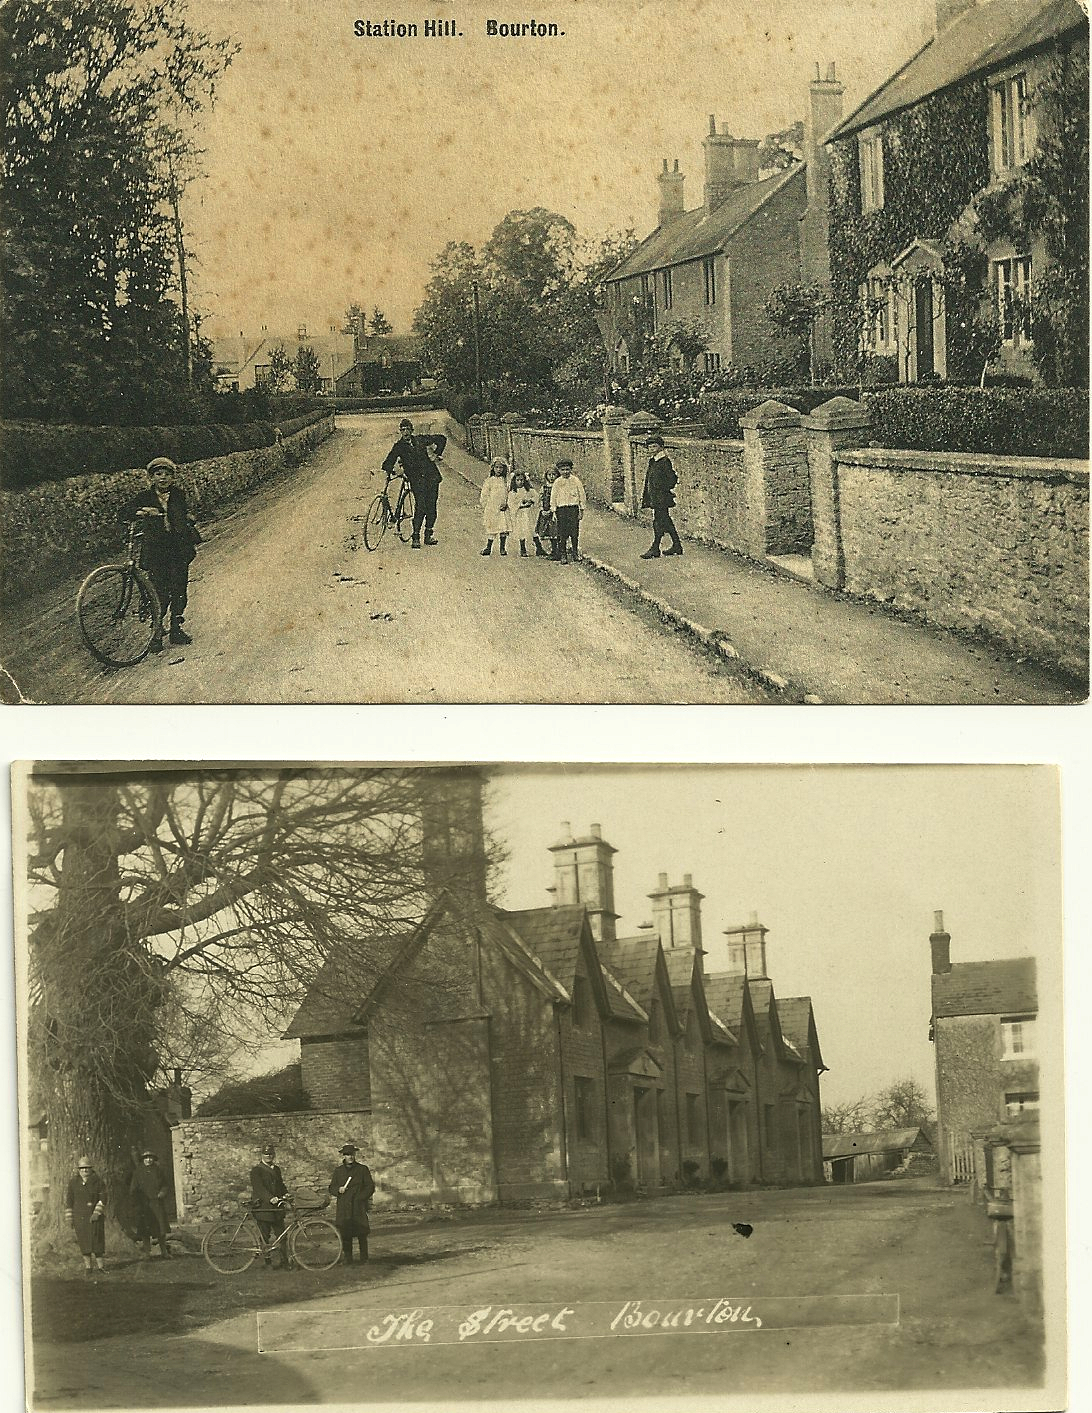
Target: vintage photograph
739	1086
738	352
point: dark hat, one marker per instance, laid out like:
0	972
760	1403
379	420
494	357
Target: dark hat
149	1154
563	463
269	1151
655	440
347	1148
405	422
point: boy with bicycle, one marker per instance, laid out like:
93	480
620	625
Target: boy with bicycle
170	544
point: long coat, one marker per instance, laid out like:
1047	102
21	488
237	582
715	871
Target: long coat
171	534
83	1200
352	1204
660	481
149	1187
265	1184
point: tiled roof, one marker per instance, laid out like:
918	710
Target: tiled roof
695	234
633	962
680	971
1005	987
553	935
841	1145
985	36
621	1003
795	1015
761	993
342	988
724	993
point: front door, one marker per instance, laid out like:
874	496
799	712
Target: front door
923	329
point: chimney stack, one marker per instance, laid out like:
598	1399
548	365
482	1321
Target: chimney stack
940	944
747	948
730	162
584	874
671	193
676	913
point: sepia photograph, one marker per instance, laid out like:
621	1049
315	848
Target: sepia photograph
357	358
720	1087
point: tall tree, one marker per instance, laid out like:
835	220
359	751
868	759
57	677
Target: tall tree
306	370
99	102
224	892
903	1104
380	324
280	368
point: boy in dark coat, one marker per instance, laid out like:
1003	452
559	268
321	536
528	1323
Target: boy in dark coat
411	454
660	482
352	1185
268	1194
85	1213
170	544
149	1188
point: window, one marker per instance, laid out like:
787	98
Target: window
693	1121
1021	1104
880	314
665	282
1017	1037
712	362
709	267
585	1107
1010	123
581	1003
871	154
1011	298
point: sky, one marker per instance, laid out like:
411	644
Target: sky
844	864
338	167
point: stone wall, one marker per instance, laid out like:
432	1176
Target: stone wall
998	544
62	527
710	498
972	1080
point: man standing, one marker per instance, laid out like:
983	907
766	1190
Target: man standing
660	483
352	1185
411	453
268	1194
170	544
149	1187
568	503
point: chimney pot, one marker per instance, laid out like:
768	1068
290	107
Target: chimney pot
940	946
752	921
662	881
712	125
665	164
832	72
938	920
688	880
597	831
566	829
676	164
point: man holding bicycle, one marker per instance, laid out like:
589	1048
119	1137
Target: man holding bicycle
268	1196
411	453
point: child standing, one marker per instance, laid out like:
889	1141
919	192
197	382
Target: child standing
546	529
494	500
522	504
568	502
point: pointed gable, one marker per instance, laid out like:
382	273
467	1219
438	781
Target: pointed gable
559	938
339	995
638	963
728	1000
798	1024
684	968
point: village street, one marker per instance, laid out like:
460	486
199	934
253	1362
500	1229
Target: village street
157	1335
287	605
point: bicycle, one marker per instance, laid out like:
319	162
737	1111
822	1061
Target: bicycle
313	1242
381	514
118	609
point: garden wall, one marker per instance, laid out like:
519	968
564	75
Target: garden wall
997	544
52	531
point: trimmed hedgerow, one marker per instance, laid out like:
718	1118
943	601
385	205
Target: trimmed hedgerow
720	411
297	424
32	453
1051	422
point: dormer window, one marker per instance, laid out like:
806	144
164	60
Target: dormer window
870	146
1011	136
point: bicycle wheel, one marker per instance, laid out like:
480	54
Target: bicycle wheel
231	1246
376	524
316	1244
406	507
119	614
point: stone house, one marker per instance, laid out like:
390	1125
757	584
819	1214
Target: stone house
931	244
983	1032
242	362
720	262
501	1054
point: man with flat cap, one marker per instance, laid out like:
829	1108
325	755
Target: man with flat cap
268	1198
352	1185
169	545
411	453
658	496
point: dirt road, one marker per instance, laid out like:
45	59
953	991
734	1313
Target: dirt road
925	1245
286	605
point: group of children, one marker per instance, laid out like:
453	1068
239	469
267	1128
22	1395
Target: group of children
512	506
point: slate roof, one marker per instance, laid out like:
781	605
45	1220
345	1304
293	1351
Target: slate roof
724	996
695	234
553	935
1003	987
842	1145
795	1015
633	962
985	36
680	971
341	990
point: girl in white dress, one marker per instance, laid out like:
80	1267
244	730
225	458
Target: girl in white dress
494	499
523	508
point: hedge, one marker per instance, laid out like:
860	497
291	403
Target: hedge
721	411
34	452
297	424
1050	422
413	402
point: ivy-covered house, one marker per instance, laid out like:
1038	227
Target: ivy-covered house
959	202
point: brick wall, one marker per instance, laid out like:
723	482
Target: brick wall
992	543
335	1072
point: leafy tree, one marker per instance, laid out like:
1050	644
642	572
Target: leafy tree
230	888
444	322
380	324
794	310
99	102
305	369
280	369
903	1104
780	150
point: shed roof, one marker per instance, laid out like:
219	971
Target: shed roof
987	35
1001	987
895	1140
697	233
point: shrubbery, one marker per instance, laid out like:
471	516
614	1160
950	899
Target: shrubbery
720	411
1050	422
297	424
